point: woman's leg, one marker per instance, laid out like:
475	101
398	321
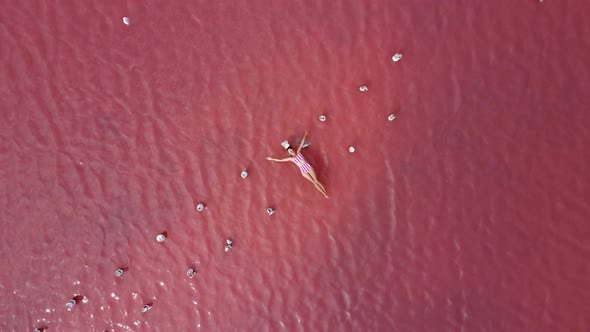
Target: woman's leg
315	179
307	176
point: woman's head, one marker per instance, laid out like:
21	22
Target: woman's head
291	151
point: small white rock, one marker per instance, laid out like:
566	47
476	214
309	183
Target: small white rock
160	238
322	118
351	149
391	117
363	88
191	273
71	303
396	57
244	174
126	20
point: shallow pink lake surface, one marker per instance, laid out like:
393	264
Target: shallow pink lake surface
468	212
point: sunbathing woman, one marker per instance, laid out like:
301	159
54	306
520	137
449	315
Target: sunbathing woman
305	168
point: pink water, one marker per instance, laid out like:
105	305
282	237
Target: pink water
468	212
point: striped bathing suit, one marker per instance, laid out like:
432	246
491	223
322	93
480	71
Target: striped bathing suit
303	165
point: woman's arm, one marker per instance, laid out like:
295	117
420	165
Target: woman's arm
302	142
279	160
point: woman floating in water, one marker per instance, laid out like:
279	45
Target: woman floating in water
305	168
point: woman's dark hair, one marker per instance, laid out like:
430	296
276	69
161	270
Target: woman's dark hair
289	147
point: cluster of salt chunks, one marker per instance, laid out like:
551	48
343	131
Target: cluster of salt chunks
192	272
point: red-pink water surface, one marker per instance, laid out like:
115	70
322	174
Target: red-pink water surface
468	212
